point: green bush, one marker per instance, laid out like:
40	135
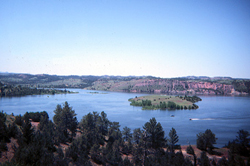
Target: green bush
171	105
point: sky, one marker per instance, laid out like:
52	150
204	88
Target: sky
162	38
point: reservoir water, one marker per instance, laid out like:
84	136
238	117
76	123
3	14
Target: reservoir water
224	115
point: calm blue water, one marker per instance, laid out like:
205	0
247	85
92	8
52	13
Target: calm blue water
224	115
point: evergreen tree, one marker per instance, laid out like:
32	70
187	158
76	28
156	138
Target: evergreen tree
12	130
78	151
18	120
112	154
103	123
58	115
173	139
44	120
138	155
27	132
243	140
240	145
126	134
190	150
178	159
235	159
34	152
95	153
154	133
114	133
60	160
90	128
204	160
3	134
65	119
137	135
127	147
206	140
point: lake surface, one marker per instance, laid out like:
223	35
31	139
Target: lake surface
224	115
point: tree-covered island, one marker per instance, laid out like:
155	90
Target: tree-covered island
153	102
18	90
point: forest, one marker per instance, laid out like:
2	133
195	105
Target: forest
95	140
11	91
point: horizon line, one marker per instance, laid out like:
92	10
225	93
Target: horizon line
106	75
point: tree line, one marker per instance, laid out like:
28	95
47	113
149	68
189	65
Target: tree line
11	91
97	140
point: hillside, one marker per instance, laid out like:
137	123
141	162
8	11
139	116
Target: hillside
208	86
145	84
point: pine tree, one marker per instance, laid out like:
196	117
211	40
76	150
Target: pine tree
204	160
28	131
90	128
103	123
173	139
3	133
206	140
65	119
137	135
78	151
155	134
126	133
190	150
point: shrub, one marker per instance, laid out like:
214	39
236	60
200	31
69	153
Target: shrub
171	105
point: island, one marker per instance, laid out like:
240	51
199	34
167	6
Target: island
155	102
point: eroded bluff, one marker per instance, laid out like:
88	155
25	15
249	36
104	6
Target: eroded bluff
171	86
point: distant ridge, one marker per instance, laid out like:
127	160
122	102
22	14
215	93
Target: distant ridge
143	76
189	85
206	78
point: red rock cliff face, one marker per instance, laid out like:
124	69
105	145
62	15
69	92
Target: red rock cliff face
170	86
210	88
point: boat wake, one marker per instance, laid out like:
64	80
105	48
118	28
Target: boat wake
219	118
202	119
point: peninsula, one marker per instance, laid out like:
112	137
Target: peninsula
13	91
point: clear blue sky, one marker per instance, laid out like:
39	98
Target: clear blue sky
164	38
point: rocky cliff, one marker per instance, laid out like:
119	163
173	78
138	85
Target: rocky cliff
173	86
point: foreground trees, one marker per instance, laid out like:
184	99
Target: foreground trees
96	140
153	134
173	139
206	140
66	122
239	147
